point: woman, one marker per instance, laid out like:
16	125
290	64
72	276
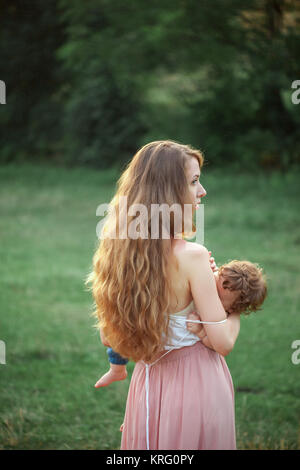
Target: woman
186	399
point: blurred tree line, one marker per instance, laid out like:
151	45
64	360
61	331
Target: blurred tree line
90	82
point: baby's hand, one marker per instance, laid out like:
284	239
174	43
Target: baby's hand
194	327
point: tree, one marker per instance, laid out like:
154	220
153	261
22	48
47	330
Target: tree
29	36
102	121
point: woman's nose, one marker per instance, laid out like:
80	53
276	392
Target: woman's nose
202	191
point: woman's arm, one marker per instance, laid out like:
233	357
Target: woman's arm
221	336
207	343
198	330
235	323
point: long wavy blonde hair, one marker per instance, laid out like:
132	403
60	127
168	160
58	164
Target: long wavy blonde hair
130	277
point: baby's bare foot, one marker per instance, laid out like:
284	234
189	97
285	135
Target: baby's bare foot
114	374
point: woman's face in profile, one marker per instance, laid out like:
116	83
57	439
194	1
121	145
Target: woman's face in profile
195	187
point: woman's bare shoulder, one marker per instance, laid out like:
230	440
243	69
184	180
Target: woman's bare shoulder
191	248
188	251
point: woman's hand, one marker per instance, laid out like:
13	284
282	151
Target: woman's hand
195	328
213	265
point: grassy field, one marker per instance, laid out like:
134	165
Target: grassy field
53	353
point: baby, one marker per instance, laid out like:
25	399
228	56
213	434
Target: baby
241	288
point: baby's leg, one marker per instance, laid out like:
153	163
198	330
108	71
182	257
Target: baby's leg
115	373
117	369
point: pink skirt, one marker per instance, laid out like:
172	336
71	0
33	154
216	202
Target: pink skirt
191	403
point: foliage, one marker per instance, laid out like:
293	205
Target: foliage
30	119
92	81
102	122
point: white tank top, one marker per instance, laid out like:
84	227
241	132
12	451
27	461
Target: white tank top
179	336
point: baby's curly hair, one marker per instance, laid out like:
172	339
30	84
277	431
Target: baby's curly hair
250	280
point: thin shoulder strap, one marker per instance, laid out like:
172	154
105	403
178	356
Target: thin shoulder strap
207	322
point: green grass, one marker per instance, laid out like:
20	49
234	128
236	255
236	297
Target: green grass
53	353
